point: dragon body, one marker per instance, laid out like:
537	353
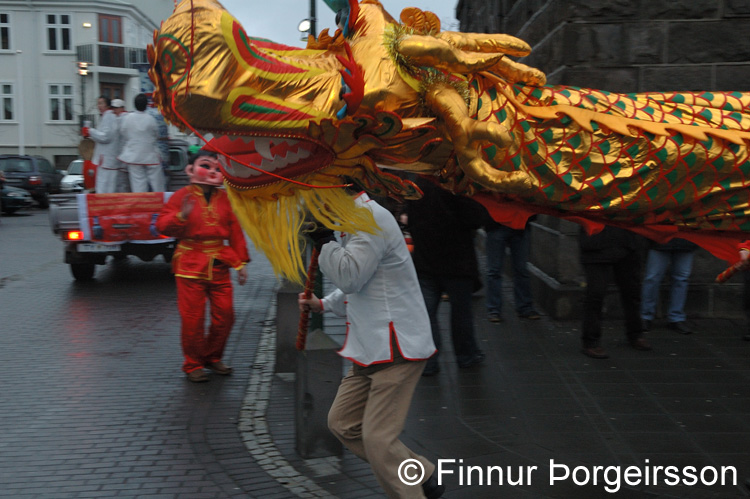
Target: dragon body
383	95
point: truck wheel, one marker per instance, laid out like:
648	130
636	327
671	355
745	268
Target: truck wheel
83	271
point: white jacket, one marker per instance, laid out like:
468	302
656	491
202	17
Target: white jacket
378	292
107	138
139	132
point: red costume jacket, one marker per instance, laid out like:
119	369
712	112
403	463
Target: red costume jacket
210	233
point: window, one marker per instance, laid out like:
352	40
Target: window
45	166
58	32
111	54
112	90
76	167
60	102
9	165
6	102
4	31
110	30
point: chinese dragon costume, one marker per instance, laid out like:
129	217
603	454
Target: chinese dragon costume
383	96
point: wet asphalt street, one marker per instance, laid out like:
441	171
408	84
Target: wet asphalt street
93	400
94	404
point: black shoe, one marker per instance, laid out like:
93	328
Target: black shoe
431	488
595	352
531	315
477	359
640	344
646	325
681	327
494	317
746	337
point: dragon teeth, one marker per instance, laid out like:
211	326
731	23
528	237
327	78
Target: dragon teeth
241	171
269	162
263	147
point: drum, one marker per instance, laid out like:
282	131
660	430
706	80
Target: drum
86	149
89	174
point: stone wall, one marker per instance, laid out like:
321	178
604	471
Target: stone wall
622	46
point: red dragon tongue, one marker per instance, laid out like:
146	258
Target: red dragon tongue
257	160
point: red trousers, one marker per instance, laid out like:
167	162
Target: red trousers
198	348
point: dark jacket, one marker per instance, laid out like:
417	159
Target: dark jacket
674	245
608	246
442	227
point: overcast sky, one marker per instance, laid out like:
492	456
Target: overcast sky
278	19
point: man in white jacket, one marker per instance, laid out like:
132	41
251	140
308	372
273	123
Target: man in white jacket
388	341
107	139
140	152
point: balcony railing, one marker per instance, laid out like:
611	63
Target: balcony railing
112	56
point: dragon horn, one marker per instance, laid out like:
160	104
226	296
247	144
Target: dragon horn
354	78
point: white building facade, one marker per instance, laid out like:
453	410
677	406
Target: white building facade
44	98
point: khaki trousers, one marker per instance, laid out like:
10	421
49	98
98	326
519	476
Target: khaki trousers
368	416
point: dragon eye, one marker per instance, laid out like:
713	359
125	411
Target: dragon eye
344	90
341	17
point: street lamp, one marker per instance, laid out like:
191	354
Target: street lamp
308	25
304	28
304	25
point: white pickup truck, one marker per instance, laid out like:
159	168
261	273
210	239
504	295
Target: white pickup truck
88	243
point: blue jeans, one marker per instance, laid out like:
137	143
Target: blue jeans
658	262
518	241
459	291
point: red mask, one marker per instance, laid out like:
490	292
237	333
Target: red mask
205	170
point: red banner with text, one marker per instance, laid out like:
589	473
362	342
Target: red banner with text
122	216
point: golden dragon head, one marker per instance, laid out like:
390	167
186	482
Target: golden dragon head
287	118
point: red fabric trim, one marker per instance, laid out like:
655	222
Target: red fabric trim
395	336
391	335
721	244
359	363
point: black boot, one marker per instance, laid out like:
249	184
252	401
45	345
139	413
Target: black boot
431	488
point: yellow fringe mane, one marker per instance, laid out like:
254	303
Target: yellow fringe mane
274	222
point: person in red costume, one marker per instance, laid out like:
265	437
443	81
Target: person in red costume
210	242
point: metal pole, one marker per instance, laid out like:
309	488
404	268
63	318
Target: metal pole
313	30
83	99
20	117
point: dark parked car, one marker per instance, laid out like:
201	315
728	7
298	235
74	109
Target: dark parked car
14	199
33	173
